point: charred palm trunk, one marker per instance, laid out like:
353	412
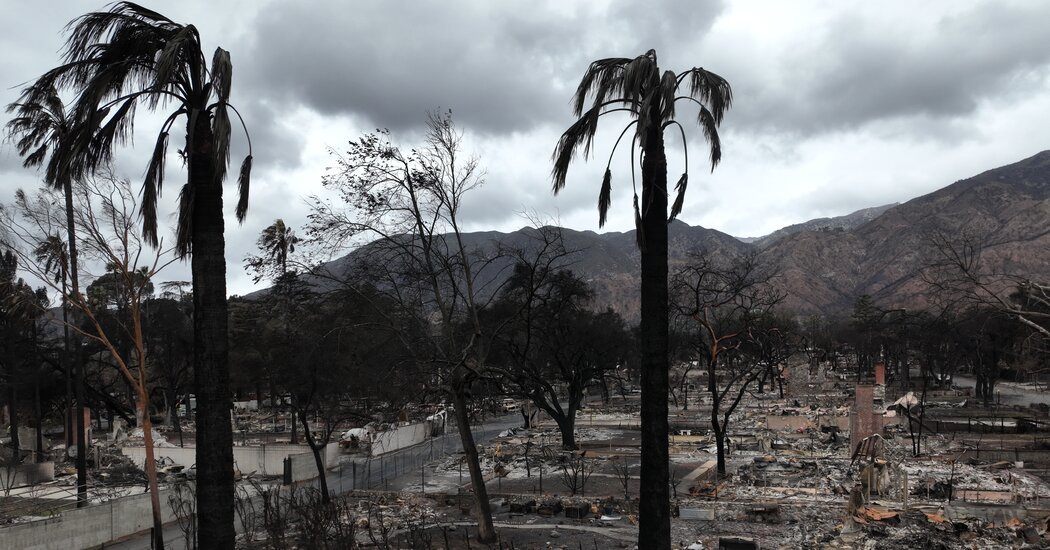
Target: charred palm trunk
68	364
654	527
74	356
486	532
210	354
81	426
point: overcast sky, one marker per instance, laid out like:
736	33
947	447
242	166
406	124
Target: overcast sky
838	105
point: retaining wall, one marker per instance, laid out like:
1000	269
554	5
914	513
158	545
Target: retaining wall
399	438
305	468
87	527
264	459
100	524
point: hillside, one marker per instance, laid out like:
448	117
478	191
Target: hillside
825	264
1007	209
837	223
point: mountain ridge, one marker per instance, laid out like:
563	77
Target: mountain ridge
826	263
844	222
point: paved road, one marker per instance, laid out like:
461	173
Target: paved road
394	471
403	469
1008	393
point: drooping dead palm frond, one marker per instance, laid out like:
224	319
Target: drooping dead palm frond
43	133
130	55
638	87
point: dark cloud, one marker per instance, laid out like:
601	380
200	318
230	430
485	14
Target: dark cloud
859	71
500	67
825	94
391	66
670	27
276	140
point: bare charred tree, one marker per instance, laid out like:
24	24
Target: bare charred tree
341	340
960	274
105	223
20	311
409	203
990	335
940	347
866	327
772	342
567	346
552	345
170	339
960	277
720	303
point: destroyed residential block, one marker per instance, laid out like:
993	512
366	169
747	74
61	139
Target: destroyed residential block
578	510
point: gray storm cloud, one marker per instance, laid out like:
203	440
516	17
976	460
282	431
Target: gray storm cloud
831	99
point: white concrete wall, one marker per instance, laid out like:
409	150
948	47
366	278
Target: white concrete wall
263	459
332	454
251	405
87	527
305	468
99	524
399	438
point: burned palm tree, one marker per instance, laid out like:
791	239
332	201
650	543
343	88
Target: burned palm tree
638	88
114	62
52	254
275	243
47	136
